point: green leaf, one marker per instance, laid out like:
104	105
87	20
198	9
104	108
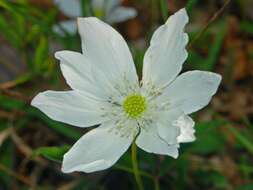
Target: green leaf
41	53
208	138
164	9
215	48
52	153
190	4
7	155
247	27
86	8
241	138
245	187
9	33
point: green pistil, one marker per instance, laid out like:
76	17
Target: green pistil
134	105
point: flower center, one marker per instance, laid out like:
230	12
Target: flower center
99	13
134	105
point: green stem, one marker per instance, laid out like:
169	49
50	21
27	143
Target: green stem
135	167
157	185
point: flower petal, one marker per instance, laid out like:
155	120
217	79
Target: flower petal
113	3
191	90
68	26
167	130
186	124
97	150
120	14
82	75
166	54
70	107
150	141
69	8
106	49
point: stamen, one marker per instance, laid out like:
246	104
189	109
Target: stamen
135	105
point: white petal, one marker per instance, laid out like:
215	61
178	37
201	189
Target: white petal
166	128
191	90
110	4
68	26
71	8
70	107
186	124
106	48
120	14
97	150
82	75
150	141
166	54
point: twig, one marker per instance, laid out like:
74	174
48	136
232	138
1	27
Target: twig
213	18
19	80
4	135
25	149
21	178
7	85
6	115
70	185
14	94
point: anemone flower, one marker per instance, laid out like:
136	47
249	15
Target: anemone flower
106	93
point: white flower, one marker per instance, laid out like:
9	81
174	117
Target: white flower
106	91
110	11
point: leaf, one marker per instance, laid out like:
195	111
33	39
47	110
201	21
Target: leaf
208	63
52	153
41	53
9	33
7	160
208	138
241	138
190	4
164	9
215	49
86	8
245	187
247	27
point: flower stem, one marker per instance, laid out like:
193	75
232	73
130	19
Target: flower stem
135	167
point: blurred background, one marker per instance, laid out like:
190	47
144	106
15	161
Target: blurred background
32	145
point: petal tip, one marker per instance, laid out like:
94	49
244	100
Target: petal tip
182	13
57	55
175	154
36	100
81	20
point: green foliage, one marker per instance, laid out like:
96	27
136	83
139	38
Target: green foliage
247	27
6	159
245	187
190	4
208	63
41	53
164	9
242	138
52	153
208	138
